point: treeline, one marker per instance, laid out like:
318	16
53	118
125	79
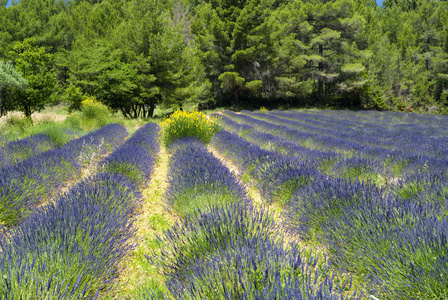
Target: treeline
134	55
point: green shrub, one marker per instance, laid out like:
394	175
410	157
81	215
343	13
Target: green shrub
20	124
73	121
94	115
183	124
57	134
400	106
93	109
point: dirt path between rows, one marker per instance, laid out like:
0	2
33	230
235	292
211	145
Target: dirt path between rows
316	249
138	274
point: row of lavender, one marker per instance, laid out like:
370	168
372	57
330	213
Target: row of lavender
225	248
408	176
71	249
276	175
25	185
14	152
390	130
395	240
405	146
197	179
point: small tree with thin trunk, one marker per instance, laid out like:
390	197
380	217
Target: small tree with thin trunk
10	80
36	66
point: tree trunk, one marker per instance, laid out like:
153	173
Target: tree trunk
2	103
152	106
135	112
143	111
124	112
320	85
27	110
139	111
237	97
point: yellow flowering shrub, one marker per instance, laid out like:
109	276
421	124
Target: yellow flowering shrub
92	109
183	124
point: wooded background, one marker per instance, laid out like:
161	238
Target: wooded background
134	55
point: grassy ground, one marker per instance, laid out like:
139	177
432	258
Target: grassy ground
15	126
139	275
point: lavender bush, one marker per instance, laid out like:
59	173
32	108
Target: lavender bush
233	252
196	178
71	249
27	184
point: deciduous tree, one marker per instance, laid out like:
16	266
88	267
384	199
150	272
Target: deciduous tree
36	66
10	80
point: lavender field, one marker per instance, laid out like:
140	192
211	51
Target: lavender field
69	245
280	205
368	187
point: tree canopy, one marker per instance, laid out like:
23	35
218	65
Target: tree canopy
10	80
36	67
135	55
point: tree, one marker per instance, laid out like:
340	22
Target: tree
315	49
332	45
159	49
290	36
441	69
36	67
145	61
10	80
235	48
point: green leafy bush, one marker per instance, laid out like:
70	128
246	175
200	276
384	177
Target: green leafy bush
93	109
94	115
183	124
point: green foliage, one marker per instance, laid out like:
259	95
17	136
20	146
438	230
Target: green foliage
129	170
137	55
183	124
74	96
375	100
35	65
10	80
400	105
140	63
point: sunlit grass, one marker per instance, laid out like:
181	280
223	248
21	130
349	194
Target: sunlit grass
139	274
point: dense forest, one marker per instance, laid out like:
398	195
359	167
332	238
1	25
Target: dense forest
134	55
